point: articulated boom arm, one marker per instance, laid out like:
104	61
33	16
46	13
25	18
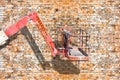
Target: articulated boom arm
11	30
69	52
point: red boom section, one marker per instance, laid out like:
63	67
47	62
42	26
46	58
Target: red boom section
44	33
11	30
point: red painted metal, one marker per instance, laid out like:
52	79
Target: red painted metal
11	30
82	55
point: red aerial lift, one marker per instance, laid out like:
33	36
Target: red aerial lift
66	50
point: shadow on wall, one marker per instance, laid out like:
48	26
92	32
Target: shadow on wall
8	41
64	66
34	46
59	65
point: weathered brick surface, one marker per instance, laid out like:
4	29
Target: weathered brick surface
22	57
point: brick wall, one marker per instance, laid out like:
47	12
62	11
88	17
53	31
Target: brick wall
22	56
